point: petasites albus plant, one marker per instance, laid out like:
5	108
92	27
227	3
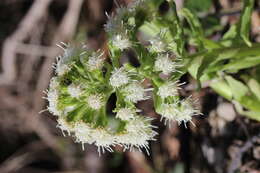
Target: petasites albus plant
78	95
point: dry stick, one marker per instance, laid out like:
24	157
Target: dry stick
234	165
36	12
22	157
39	50
31	59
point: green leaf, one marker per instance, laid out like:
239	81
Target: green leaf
240	31
198	5
242	94
242	63
222	88
175	28
195	26
245	21
250	114
254	87
238	88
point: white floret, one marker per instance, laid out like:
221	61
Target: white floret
121	41
126	114
103	140
115	22
52	97
157	45
180	112
169	112
63	64
169	89
83	133
135	92
95	101
119	78
138	133
75	91
186	111
165	64
54	84
65	126
95	61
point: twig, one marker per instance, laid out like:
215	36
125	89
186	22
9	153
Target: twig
21	158
234	165
36	12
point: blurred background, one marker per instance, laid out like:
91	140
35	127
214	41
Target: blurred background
221	142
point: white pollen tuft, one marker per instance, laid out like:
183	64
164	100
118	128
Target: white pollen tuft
138	133
119	78
126	114
165	64
135	92
95	101
169	89
157	45
95	61
180	112
65	126
74	90
121	41
52	97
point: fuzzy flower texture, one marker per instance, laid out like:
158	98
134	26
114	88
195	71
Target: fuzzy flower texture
79	92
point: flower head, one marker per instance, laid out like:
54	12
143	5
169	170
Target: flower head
74	90
98	136
126	114
169	89
121	41
95	101
63	64
157	45
103	140
139	132
135	92
165	64
65	126
180	112
95	61
52	97
135	4
119	78
169	111
83	133
115	22
186	111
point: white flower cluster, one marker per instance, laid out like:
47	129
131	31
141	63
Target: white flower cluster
121	41
95	61
117	25
53	96
139	132
157	43
131	89
64	62
75	91
105	140
95	101
135	92
84	83
126	114
180	112
119	77
169	89
165	64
